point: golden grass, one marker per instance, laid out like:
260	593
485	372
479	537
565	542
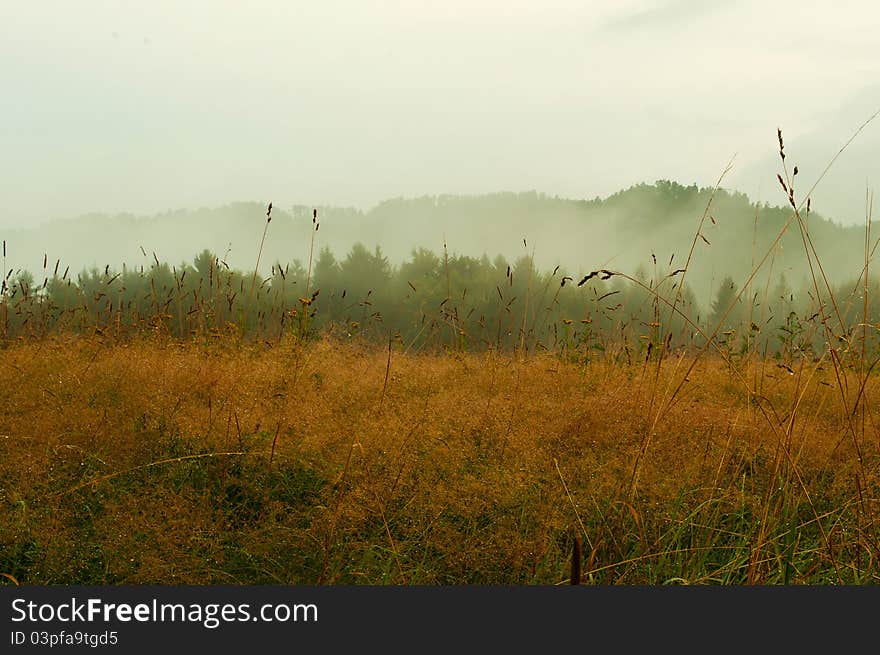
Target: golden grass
155	461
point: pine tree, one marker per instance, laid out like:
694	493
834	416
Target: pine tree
725	298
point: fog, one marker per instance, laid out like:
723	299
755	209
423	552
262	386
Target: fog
141	108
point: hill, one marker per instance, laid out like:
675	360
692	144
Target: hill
621	231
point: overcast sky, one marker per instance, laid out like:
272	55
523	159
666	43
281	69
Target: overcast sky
145	106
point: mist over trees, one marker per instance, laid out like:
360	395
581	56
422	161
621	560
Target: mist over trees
621	231
430	300
443	270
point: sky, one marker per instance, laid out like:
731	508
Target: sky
142	107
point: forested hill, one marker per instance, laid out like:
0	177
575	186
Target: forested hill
621	231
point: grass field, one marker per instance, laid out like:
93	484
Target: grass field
155	460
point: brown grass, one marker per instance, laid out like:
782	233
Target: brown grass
155	461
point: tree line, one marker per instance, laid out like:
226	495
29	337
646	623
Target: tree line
437	300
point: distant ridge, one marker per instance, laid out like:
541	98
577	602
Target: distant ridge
622	230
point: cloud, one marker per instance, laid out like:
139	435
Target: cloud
661	14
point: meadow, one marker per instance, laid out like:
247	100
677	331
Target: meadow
154	461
